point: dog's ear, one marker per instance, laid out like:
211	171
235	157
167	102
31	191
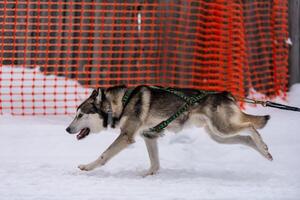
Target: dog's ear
98	98
94	94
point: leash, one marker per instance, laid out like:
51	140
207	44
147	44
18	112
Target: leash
270	104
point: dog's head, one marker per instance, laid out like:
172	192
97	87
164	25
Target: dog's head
89	118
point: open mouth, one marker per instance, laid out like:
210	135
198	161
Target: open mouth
83	133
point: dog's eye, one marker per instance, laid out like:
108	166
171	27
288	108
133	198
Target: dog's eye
80	115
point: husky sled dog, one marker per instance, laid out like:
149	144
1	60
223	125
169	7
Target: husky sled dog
147	106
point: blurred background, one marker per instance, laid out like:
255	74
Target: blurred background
53	52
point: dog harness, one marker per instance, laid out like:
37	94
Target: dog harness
189	101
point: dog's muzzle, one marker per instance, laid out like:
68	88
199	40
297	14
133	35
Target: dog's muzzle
82	134
68	130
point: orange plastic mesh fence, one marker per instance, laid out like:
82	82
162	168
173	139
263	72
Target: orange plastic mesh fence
52	51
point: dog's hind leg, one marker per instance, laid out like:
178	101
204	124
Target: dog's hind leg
118	145
254	140
153	155
227	121
261	145
238	139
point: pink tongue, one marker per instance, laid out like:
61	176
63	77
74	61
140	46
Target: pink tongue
83	133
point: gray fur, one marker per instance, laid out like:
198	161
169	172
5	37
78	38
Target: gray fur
218	113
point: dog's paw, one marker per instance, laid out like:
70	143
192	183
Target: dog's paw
269	157
85	167
150	172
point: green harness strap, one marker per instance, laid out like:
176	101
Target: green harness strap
189	101
126	96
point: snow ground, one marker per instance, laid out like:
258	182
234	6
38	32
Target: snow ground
39	161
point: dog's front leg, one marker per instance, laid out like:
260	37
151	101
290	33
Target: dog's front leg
118	145
153	155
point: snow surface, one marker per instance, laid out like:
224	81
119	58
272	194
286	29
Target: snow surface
39	161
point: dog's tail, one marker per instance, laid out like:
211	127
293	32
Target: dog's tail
258	121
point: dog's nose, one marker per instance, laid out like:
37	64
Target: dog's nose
68	130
